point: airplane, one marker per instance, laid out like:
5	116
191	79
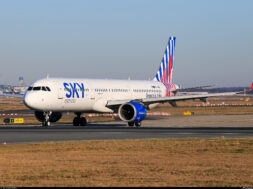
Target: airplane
50	97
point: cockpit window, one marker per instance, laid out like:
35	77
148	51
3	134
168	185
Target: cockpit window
36	88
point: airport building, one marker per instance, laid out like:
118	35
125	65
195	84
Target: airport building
19	89
6	89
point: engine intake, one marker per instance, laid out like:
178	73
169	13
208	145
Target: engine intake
132	112
55	116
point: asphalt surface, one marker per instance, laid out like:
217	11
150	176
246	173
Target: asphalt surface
35	133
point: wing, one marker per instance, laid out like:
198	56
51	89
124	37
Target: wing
114	104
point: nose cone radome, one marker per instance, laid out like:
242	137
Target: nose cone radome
30	101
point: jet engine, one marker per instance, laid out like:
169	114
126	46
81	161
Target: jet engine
132	112
40	116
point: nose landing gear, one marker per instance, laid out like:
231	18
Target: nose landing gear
79	121
46	121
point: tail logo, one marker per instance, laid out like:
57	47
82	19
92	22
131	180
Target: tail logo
164	73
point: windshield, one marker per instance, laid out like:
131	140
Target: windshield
39	88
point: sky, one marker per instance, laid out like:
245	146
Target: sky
119	39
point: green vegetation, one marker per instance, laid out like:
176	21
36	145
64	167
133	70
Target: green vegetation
157	162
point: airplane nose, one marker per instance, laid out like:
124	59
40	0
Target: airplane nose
30	101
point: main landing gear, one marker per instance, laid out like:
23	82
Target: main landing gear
136	124
79	121
46	121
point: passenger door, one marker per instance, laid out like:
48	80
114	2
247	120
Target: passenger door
59	88
60	93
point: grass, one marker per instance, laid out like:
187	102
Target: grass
205	110
11	103
156	162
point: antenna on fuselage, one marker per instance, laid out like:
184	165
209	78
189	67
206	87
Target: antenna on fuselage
47	76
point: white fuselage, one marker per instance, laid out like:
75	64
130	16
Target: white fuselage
89	95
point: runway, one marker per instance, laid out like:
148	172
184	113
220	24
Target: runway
109	131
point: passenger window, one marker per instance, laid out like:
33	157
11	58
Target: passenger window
48	89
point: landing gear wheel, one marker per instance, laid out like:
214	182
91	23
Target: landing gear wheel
83	121
137	124
76	121
130	124
45	123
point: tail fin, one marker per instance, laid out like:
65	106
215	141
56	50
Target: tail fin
164	73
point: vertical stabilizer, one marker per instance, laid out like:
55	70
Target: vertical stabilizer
164	73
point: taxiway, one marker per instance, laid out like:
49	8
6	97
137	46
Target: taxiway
113	131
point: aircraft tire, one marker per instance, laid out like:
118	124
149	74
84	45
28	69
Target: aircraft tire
83	121
76	121
45	123
130	124
137	124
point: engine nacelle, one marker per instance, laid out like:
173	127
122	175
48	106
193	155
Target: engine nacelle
132	112
55	116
